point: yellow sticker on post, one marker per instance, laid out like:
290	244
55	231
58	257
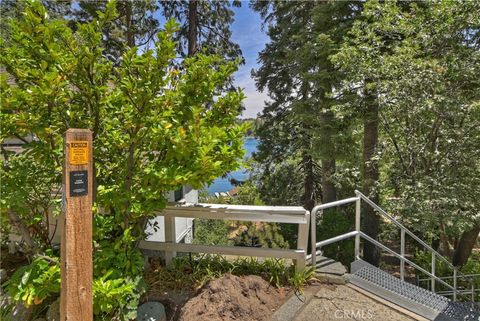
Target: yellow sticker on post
78	153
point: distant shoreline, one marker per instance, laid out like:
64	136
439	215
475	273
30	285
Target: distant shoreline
223	184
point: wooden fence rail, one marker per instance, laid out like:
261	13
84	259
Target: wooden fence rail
272	214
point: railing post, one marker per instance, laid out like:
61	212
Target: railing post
473	290
170	237
454	283
434	261
357	227
313	232
402	253
302	241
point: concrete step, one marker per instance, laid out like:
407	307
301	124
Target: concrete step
326	265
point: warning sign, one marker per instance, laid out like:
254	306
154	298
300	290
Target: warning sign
78	153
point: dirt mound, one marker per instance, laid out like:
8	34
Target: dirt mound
233	298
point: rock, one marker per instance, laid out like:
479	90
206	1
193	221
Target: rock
3	275
53	312
3	278
20	312
4	302
331	278
151	311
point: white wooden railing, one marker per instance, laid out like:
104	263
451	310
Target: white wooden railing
271	214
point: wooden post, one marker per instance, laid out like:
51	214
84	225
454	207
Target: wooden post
170	236
76	300
302	241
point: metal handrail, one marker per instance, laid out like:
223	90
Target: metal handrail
372	240
463	292
313	224
335	204
435	254
400	225
471	276
399	256
337	238
358	234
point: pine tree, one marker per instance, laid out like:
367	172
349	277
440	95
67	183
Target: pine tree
204	26
299	122
135	25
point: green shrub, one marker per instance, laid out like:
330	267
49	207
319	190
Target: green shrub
212	232
120	256
116	297
333	223
193	273
117	285
35	282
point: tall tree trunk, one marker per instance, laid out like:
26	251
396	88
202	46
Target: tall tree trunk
192	26
129	17
371	175
445	246
128	20
309	182
329	192
465	245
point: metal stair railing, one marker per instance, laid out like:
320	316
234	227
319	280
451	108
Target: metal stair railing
358	234
449	293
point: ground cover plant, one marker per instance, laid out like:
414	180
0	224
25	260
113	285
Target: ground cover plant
187	272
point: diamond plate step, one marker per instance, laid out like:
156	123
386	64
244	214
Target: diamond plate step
418	300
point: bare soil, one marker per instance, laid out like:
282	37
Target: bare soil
233	298
11	262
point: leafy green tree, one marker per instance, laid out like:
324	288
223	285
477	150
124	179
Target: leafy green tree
12	9
144	145
155	128
418	64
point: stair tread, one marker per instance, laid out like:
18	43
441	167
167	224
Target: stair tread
326	265
416	295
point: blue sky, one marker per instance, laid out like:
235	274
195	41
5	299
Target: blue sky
247	32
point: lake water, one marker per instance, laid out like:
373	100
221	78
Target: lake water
222	184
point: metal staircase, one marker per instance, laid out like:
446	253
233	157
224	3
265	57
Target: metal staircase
411	297
426	303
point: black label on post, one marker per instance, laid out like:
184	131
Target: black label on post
78	183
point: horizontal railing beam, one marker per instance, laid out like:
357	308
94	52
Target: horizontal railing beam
214	211
290	210
461	292
451	277
226	250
